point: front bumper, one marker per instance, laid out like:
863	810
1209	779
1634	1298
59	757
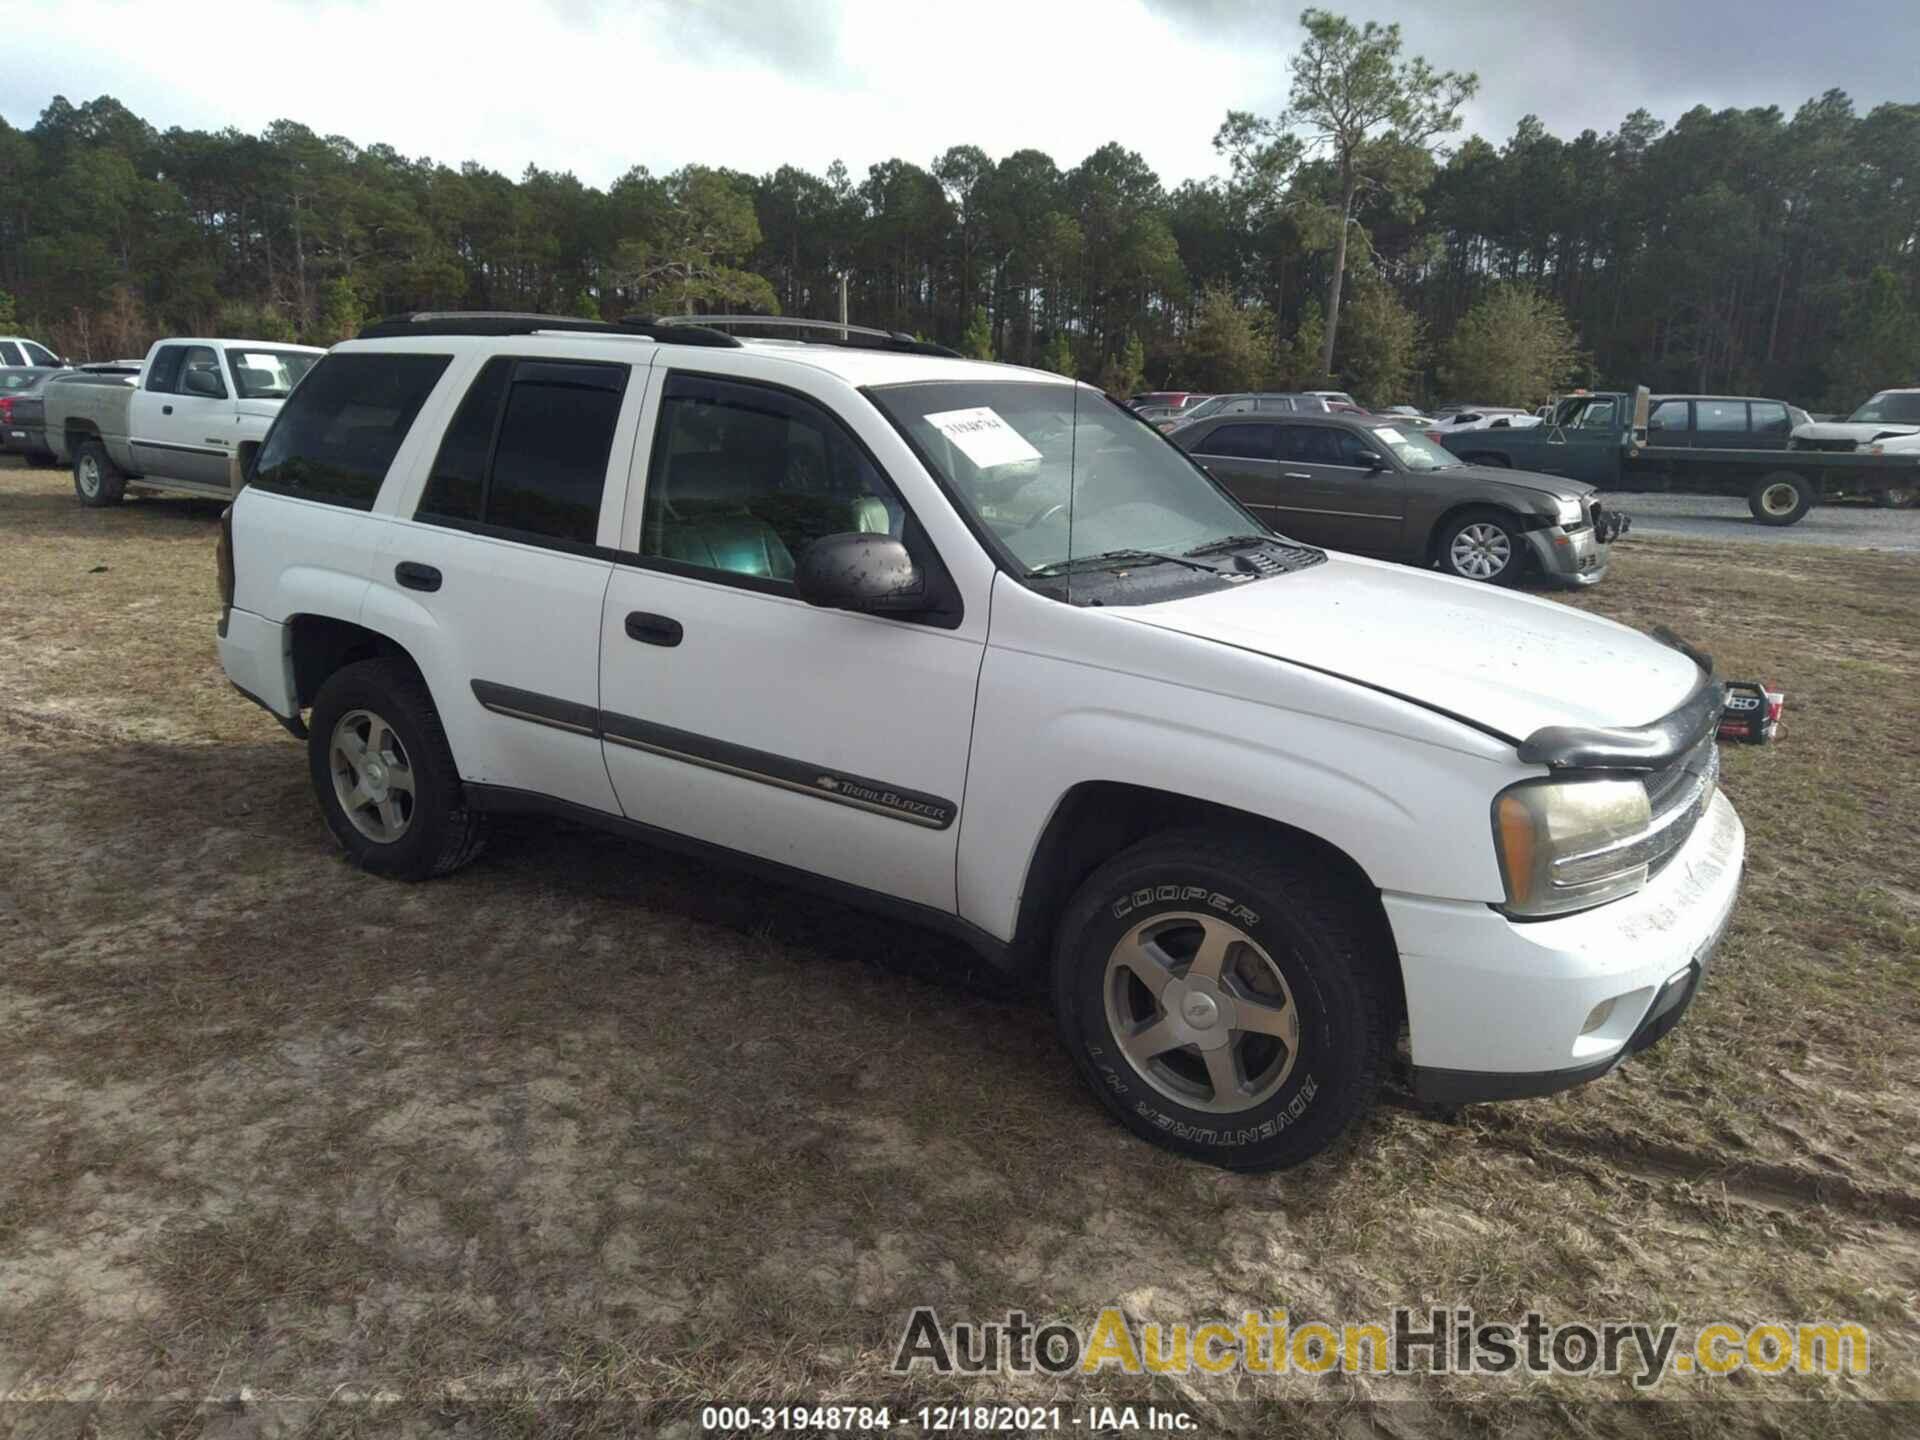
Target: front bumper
1572	557
1499	1009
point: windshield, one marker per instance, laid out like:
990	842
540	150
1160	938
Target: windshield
268	374
1899	407
1024	459
1414	450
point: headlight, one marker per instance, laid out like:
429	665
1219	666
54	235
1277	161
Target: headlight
1570	512
1570	844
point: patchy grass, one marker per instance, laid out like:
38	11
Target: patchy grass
587	1122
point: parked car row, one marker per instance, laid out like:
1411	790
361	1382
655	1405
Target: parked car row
1746	447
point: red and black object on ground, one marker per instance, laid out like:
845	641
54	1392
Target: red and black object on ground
1752	713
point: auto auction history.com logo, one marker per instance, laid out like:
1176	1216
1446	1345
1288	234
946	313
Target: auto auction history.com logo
1437	1341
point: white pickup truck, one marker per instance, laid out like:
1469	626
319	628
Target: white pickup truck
187	422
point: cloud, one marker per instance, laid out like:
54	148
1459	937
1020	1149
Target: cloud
595	86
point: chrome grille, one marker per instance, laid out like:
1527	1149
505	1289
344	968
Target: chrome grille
1679	796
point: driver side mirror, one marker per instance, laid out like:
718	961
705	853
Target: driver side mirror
866	573
204	383
1372	460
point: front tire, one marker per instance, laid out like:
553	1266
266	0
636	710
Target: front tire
1484	545
1782	498
1221	1004
384	775
96	479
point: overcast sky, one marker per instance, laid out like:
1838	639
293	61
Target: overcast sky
595	86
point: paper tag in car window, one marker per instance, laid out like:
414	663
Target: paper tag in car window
1390	435
983	437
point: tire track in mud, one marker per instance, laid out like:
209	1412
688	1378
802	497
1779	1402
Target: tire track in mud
1762	1184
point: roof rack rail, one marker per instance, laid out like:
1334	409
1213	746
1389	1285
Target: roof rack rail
827	332
509	322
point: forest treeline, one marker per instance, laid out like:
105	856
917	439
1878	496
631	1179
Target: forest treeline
1739	250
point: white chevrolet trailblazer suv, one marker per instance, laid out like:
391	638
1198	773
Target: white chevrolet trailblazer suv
974	645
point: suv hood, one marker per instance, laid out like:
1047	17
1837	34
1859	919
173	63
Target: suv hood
1510	663
1860	434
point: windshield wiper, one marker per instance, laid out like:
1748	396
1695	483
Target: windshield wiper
1232	542
1108	557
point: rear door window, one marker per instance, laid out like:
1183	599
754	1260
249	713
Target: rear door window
1722	416
1239	442
11	354
1309	444
339	431
526	455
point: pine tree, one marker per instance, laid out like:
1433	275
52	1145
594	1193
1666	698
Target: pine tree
1058	356
1515	347
341	315
1229	347
977	341
1125	373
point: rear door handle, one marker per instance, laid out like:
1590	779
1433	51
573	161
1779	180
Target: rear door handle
651	629
416	577
1295	475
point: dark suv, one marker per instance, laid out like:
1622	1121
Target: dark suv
1374	486
1723	422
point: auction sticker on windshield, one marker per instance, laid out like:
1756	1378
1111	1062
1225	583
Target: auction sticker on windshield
1391	435
983	437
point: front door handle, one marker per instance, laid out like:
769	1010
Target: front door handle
416	577
166	409
651	629
1295	475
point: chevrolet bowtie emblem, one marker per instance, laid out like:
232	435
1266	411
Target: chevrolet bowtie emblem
827	782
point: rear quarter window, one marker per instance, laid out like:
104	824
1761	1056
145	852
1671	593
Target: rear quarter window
337	434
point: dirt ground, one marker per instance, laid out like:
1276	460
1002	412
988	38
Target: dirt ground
590	1123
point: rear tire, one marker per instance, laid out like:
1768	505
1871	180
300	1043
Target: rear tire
384	774
1486	545
1782	498
1268	1033
96	479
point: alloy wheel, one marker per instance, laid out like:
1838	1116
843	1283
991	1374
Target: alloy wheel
1480	551
89	476
1201	1012
372	776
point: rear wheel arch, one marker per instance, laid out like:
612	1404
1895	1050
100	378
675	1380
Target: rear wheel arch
1098	819
319	645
